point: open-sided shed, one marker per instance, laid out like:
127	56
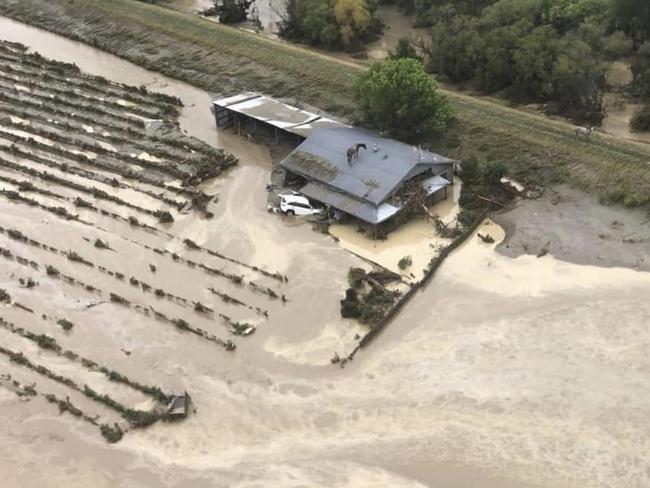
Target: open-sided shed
259	110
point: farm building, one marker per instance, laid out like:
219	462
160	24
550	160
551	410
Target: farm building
374	185
377	182
251	112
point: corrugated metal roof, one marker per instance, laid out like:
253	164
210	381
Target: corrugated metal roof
361	210
276	113
373	176
435	183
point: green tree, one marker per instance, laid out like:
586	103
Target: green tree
398	96
507	12
641	119
566	15
617	45
232	11
533	64
332	24
494	70
633	16
578	81
455	48
641	71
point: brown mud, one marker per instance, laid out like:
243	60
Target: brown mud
502	372
574	227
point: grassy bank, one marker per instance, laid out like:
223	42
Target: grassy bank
222	59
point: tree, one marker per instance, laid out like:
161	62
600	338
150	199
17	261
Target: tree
353	18
641	71
332	24
232	11
455	47
533	64
494	70
617	45
578	81
567	15
641	119
633	16
398	96
507	12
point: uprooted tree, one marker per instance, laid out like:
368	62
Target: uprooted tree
398	96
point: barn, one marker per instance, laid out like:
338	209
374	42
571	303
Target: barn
377	183
374	187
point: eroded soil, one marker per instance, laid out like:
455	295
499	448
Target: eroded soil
574	227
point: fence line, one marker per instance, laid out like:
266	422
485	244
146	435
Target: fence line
435	263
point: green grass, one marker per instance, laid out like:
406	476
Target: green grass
225	60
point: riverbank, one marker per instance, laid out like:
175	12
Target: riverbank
574	227
226	60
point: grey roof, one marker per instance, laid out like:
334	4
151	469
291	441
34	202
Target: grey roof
275	113
372	177
362	210
433	184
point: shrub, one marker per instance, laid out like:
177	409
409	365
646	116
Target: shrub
65	324
494	171
471	172
111	434
405	262
405	49
641	119
356	277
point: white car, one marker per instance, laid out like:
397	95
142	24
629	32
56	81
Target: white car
292	193
297	205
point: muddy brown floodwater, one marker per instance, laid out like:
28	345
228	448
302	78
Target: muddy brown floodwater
503	372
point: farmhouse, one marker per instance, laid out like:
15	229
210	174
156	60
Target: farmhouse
353	171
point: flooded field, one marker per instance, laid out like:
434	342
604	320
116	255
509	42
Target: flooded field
270	13
526	372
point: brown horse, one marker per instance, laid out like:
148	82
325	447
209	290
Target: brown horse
353	152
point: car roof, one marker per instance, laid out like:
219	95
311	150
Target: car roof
295	199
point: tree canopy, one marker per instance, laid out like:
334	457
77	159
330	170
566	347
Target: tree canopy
398	96
549	51
332	24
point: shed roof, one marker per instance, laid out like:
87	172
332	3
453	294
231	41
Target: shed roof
362	210
275	113
373	176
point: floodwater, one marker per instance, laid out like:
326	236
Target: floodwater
417	239
270	14
501	373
